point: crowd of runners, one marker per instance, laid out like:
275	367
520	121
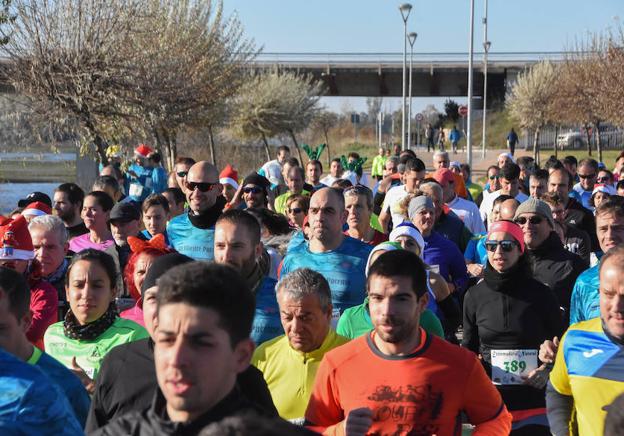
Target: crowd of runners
300	299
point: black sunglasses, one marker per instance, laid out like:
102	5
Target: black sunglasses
532	220
587	176
505	245
252	190
295	210
202	186
181	173
493	177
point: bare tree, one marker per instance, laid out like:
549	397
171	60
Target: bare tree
580	96
66	56
273	103
529	101
189	60
325	121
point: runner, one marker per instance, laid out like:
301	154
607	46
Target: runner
420	384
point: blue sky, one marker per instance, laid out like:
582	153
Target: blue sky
303	26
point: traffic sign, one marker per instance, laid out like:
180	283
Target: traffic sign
419	117
463	111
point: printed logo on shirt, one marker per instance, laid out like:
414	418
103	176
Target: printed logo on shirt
413	409
592	353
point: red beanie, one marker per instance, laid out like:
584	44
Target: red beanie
15	239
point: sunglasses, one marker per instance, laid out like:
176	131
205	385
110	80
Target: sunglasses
202	186
295	210
587	176
252	190
603	179
532	220
493	177
505	245
181	173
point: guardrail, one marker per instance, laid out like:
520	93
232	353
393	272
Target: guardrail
394	58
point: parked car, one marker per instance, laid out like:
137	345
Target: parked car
610	137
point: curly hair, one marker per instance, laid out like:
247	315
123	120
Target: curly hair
131	287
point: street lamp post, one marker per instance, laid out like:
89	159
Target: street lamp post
405	9
412	39
470	58
486	48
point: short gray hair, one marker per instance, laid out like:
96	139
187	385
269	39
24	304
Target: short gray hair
433	187
304	281
360	191
443	154
50	223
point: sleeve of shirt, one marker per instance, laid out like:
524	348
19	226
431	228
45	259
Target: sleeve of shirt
559	408
459	272
478	226
576	303
489	414
43	307
324	413
470	338
559	378
98	416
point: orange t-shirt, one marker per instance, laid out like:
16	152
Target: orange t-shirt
422	393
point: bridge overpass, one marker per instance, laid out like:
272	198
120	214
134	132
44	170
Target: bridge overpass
380	74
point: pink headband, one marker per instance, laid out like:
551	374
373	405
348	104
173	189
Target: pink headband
508	227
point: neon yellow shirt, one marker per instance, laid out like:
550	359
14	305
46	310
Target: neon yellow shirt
588	368
89	354
290	374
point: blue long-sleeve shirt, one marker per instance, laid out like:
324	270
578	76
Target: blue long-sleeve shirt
444	257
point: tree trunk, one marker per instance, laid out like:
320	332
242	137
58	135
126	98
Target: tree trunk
598	141
556	145
328	153
536	154
100	149
589	147
292	135
212	146
266	147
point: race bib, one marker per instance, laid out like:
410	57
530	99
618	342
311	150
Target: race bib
136	190
509	366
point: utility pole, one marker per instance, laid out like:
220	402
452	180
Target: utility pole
470	58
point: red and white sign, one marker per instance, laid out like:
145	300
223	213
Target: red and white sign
419	117
463	111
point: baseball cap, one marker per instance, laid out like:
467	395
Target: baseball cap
33	197
125	212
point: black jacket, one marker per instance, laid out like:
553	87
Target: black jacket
582	218
127	383
556	267
510	311
577	241
155	420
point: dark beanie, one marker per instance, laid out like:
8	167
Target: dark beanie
160	266
258	180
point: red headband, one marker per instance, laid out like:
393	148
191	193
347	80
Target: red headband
508	227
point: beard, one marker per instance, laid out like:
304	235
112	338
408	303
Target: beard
66	216
400	330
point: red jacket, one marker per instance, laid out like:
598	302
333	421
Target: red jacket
44	310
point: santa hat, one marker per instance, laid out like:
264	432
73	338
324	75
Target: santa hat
143	150
37	209
229	176
15	240
607	189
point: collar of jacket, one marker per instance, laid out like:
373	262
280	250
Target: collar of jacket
551	245
209	218
228	406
